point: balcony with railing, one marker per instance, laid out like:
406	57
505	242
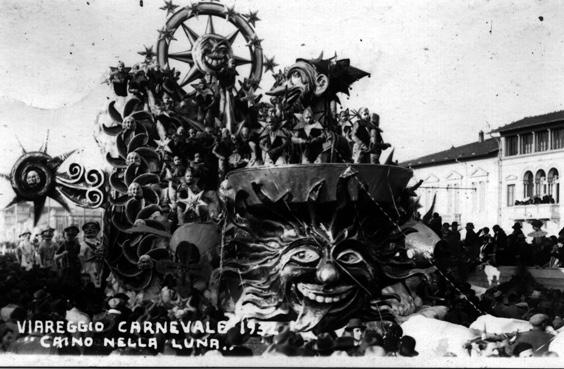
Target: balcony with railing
534	211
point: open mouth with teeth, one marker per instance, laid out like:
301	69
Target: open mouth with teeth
316	293
215	60
317	304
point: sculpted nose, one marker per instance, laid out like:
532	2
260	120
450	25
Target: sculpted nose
327	273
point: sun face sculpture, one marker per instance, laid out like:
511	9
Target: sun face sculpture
209	53
316	244
212	53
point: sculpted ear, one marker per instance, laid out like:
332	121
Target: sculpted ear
321	84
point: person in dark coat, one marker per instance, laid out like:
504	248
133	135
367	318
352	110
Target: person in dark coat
517	248
537	337
436	223
500	245
472	243
453	236
444	231
67	256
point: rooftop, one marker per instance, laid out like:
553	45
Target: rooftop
474	150
528	122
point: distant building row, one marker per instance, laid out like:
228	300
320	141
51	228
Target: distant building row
511	177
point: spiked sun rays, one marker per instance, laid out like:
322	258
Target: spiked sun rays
257	251
197	42
33	178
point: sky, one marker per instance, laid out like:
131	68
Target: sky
440	70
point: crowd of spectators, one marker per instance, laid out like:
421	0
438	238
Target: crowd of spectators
41	293
496	247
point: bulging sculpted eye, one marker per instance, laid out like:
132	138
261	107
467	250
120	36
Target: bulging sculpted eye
350	257
296	78
305	255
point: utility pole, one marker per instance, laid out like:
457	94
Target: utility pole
48	212
17	224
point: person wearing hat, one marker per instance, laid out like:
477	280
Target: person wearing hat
453	239
500	241
324	345
25	251
91	252
391	338
407	347
67	256
516	247
537	337
47	249
356	329
435	223
471	242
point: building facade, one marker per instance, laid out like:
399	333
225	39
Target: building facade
18	218
532	158
463	180
511	177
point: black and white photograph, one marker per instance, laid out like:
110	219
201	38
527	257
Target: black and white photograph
322	183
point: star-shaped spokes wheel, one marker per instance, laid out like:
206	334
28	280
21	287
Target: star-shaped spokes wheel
190	33
33	178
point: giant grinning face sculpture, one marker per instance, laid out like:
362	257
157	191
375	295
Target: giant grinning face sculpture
323	278
317	245
211	53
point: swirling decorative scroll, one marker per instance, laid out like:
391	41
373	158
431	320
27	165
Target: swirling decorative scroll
83	187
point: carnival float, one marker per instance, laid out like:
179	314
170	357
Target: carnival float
259	203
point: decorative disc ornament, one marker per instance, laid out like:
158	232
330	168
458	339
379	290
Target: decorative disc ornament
210	52
34	177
